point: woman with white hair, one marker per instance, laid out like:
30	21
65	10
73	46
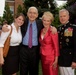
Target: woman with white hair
48	46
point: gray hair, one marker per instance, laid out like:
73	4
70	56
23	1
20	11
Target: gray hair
48	14
64	10
33	8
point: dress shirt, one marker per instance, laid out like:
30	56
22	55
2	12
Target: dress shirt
16	36
34	35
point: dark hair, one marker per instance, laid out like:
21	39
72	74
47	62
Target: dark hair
5	22
20	14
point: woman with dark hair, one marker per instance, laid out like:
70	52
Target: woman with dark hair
10	64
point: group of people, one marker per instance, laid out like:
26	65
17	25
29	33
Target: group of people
33	39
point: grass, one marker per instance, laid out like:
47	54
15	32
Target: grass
40	70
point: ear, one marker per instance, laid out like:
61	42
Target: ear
27	13
68	17
36	15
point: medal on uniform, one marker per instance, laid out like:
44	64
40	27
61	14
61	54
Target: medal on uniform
62	28
66	32
67	40
70	31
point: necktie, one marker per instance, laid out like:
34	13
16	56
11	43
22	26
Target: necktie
30	36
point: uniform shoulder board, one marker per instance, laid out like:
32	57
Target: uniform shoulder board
74	25
59	26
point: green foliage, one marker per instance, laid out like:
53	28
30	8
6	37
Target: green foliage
56	21
1	20
45	5
7	15
19	9
42	5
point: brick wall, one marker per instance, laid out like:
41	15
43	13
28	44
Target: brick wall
18	2
15	4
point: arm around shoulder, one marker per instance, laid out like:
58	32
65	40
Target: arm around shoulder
5	28
4	36
53	29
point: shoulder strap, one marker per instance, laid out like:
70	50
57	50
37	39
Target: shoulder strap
10	31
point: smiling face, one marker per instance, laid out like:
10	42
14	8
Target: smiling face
32	14
19	20
47	19
64	17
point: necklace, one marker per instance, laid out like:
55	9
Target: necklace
44	31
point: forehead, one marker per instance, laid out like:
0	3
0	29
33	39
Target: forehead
46	17
63	13
33	10
20	17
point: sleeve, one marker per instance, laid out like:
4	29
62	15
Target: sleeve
56	44
74	40
4	36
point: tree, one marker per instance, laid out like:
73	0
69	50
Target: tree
42	5
7	14
19	9
1	20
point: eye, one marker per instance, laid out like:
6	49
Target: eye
32	13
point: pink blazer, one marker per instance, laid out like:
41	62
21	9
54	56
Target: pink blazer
49	44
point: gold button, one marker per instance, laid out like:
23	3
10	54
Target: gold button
61	37
60	42
67	40
62	28
61	33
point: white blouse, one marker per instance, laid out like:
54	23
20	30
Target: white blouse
16	36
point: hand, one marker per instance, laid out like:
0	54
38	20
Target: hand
0	32
5	28
1	56
55	64
53	29
1	61
73	65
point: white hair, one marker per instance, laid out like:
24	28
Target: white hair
33	8
64	10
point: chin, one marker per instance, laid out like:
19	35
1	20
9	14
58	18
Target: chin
63	22
19	25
